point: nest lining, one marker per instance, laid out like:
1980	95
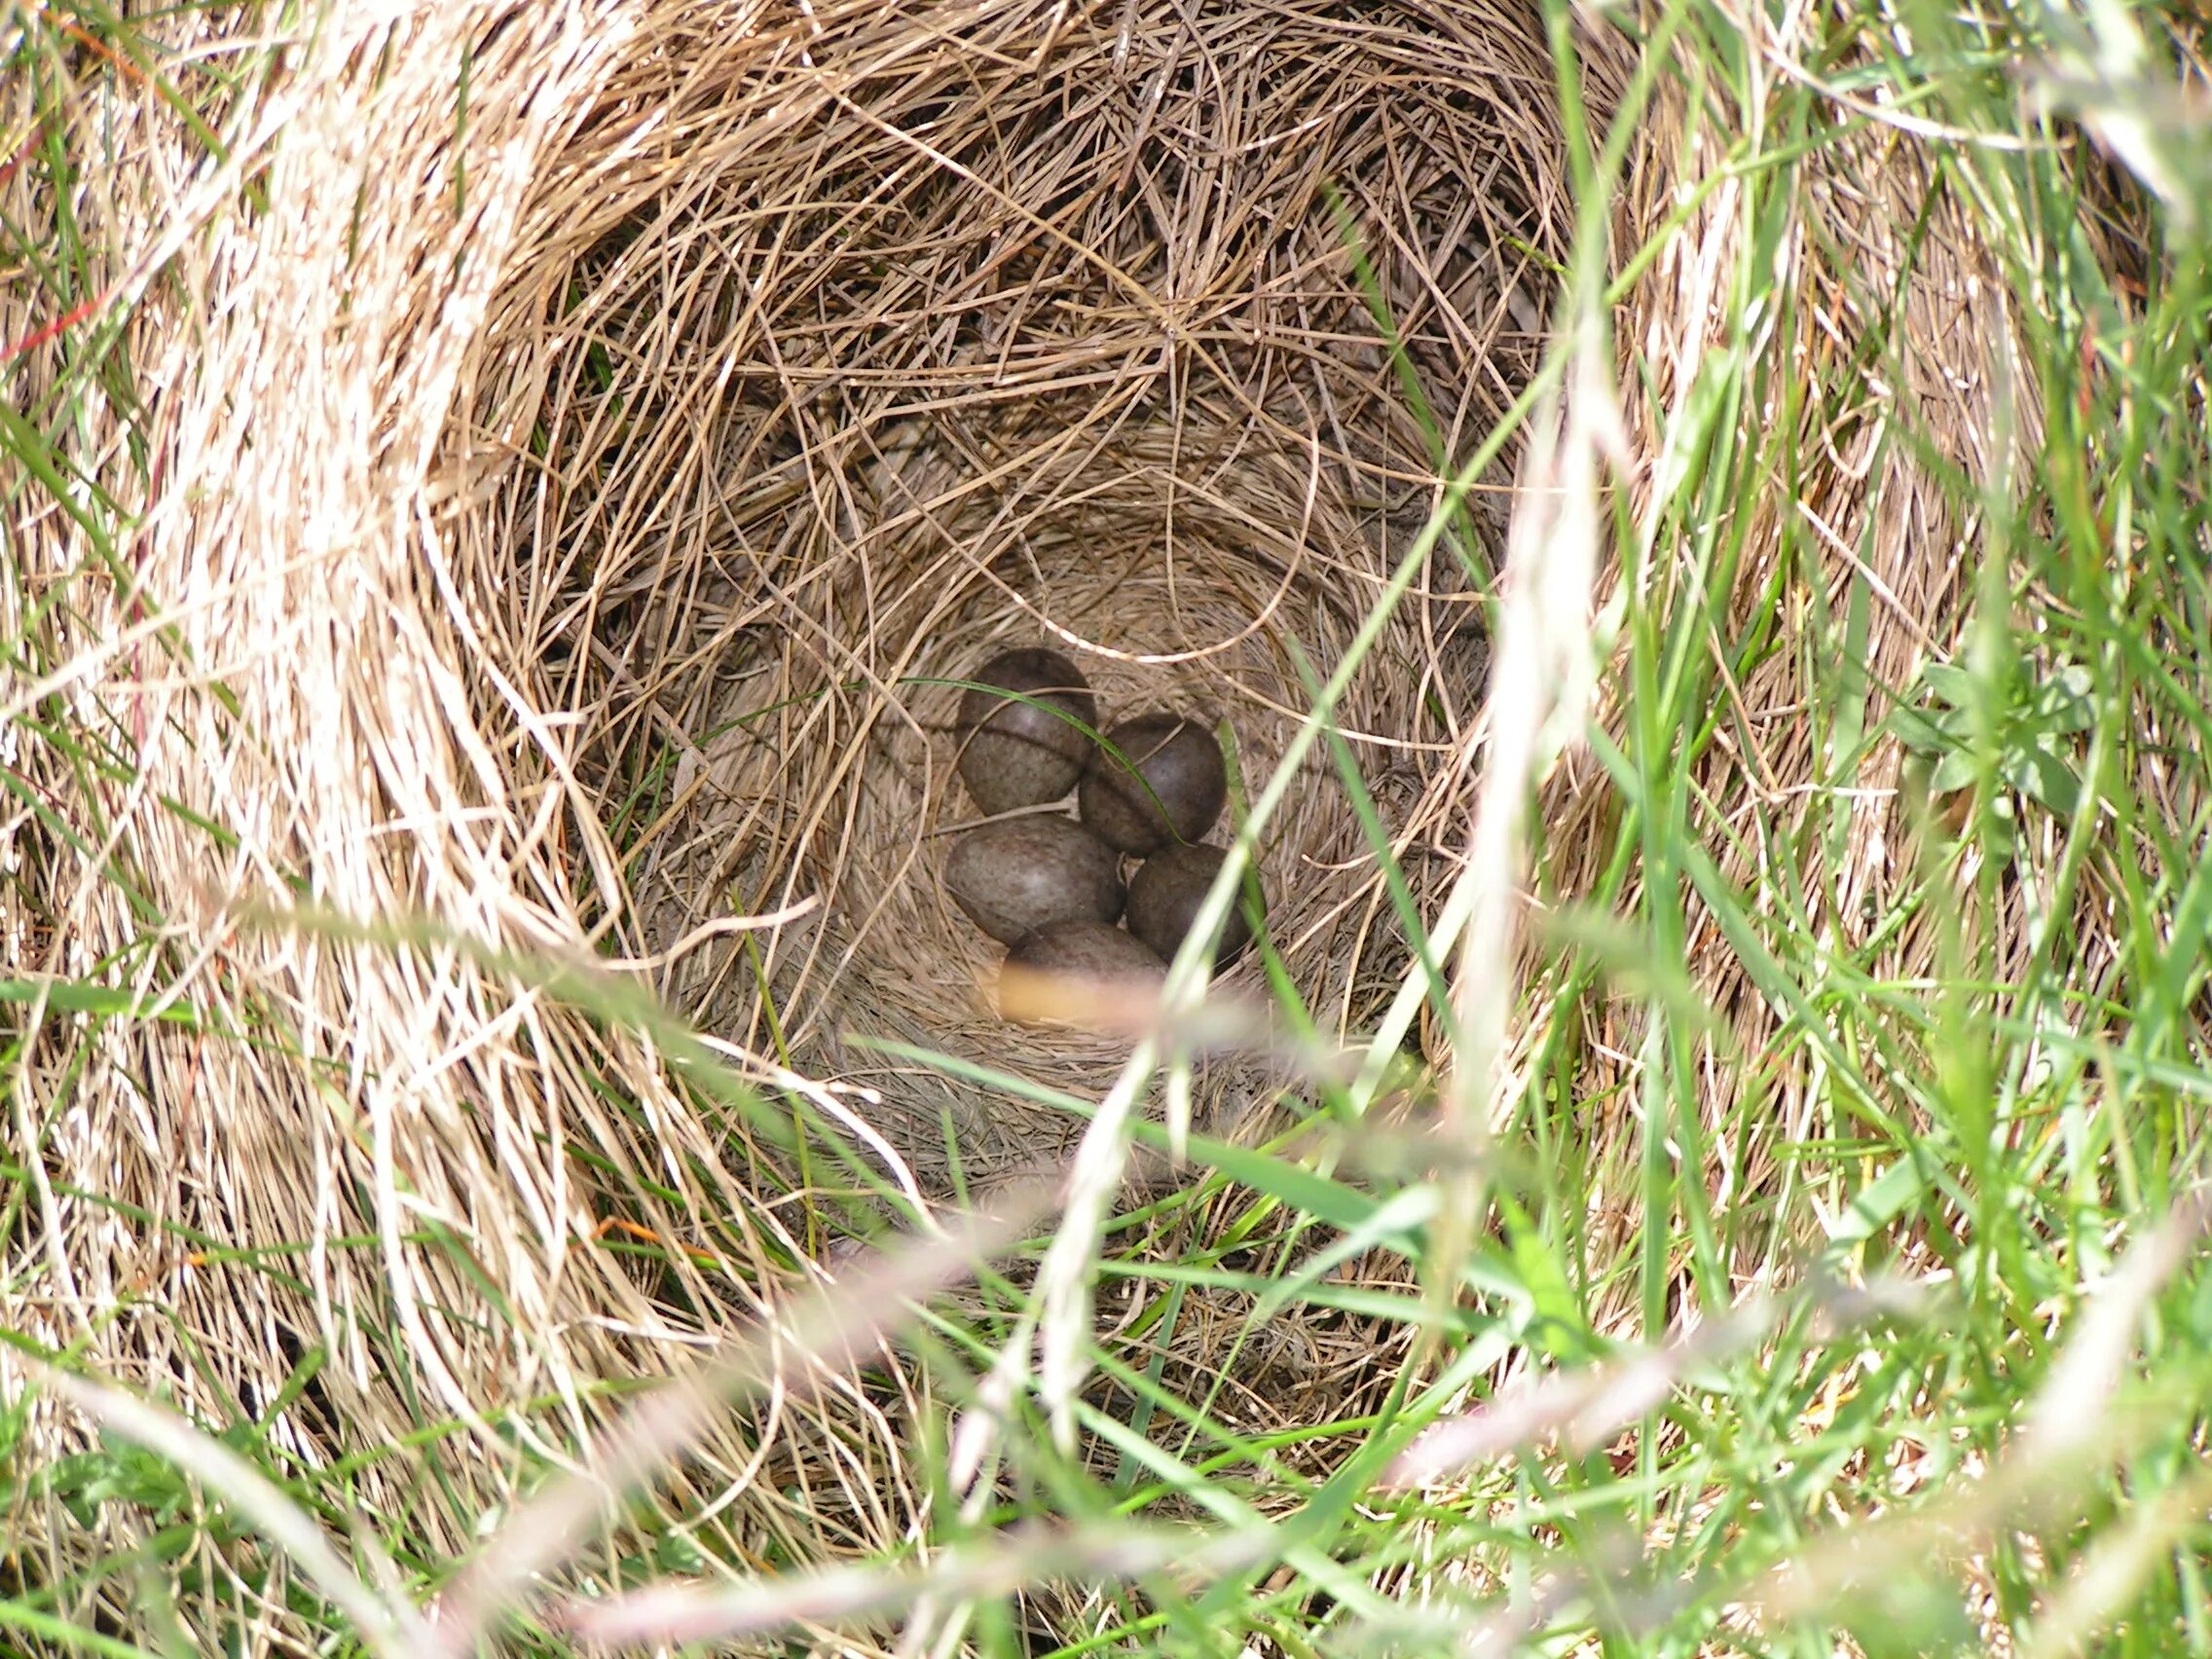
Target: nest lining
1064	342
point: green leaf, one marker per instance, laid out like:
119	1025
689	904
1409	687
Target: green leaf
1301	1190
1956	726
1917	732
1954	686
1877	1205
1954	772
2001	837
2044	779
1556	1319
2066	702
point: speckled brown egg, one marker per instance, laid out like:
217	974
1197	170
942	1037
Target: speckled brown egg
1165	897
1182	791
1014	754
1094	951
1024	873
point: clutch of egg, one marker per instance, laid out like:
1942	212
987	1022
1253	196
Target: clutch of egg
1049	887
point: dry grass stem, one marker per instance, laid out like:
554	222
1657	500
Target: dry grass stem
834	1330
1008	1562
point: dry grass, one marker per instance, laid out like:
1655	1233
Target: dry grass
949	351
567	496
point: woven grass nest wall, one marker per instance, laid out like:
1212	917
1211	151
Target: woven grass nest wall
1053	338
579	508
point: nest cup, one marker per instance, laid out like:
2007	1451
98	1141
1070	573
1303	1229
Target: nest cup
1064	343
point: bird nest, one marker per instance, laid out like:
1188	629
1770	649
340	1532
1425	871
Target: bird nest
1137	334
1143	334
572	517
